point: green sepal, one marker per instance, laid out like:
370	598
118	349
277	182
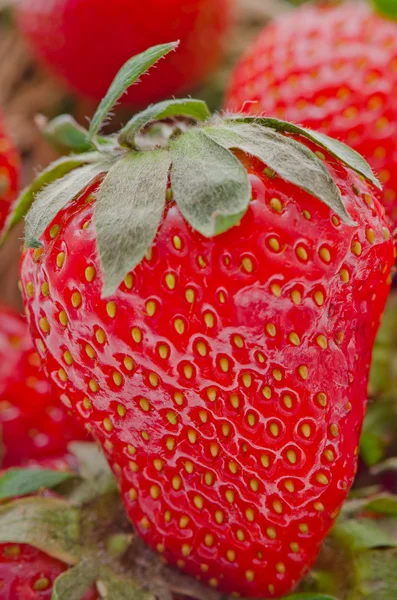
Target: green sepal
120	587
55	171
289	159
128	211
48	524
386	8
344	153
185	107
376	575
55	196
97	476
128	74
209	184
19	481
66	135
75	582
362	534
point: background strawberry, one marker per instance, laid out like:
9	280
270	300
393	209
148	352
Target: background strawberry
87	41
226	375
9	173
331	67
34	423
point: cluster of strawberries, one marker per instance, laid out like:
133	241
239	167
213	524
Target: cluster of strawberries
203	293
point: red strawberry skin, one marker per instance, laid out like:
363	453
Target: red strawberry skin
87	41
34	423
333	69
9	173
226	379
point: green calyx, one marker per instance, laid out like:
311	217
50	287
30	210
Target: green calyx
386	8
171	149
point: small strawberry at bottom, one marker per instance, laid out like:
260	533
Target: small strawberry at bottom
220	309
34	423
9	173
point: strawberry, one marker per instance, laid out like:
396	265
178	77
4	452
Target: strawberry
219	309
85	42
332	67
33	421
9	173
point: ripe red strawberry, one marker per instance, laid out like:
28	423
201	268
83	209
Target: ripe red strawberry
87	41
9	173
332	68
34	424
221	340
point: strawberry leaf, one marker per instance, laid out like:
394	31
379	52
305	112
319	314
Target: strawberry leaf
74	583
137	186
376	575
185	107
19	482
128	74
65	134
120	587
209	184
286	157
310	596
55	196
48	524
386	8
344	153
362	534
385	504
55	171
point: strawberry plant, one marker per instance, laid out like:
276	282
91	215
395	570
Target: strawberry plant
215	285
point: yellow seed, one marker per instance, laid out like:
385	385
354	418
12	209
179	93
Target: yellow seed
178	397
233	467
188	371
136	335
117	378
240	535
296	297
303	528
198	502
190	295
189	466
144	404
94	387
265	461
254	485
131	449
278	507
44	325
289	485
204	568
68	358
151	308
386	233
370	234
45	288
275	290
213	582
294	547
211	394
344	275
62	375
177	242
158	464
163	351
129	281
170	281
291	456
277	374
306	430
121	410
271	533
60	259
55	229
321	341
260	358
271	329
160	548
229	495
145	523
179	326
294	339
267	392
176	482
87	403
225	429
167	516
192	436
234	401
202	262
100	336
208	478
280	567
325	255
107	424
231	555
249	513
287	400
203	415
172	417
319	298
63	319
184	522
224	364
145	436
90	273
307	215
214	449
37	254
251	420
334	429
153	379
319	506
249	575
322	399
238	341
322	479
111	309
219	516
329	455
155	492
30	289
335	220
303	372
274	244
209	319
356	248
276	204
209	540
301	253
201	348
128	363
274	429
